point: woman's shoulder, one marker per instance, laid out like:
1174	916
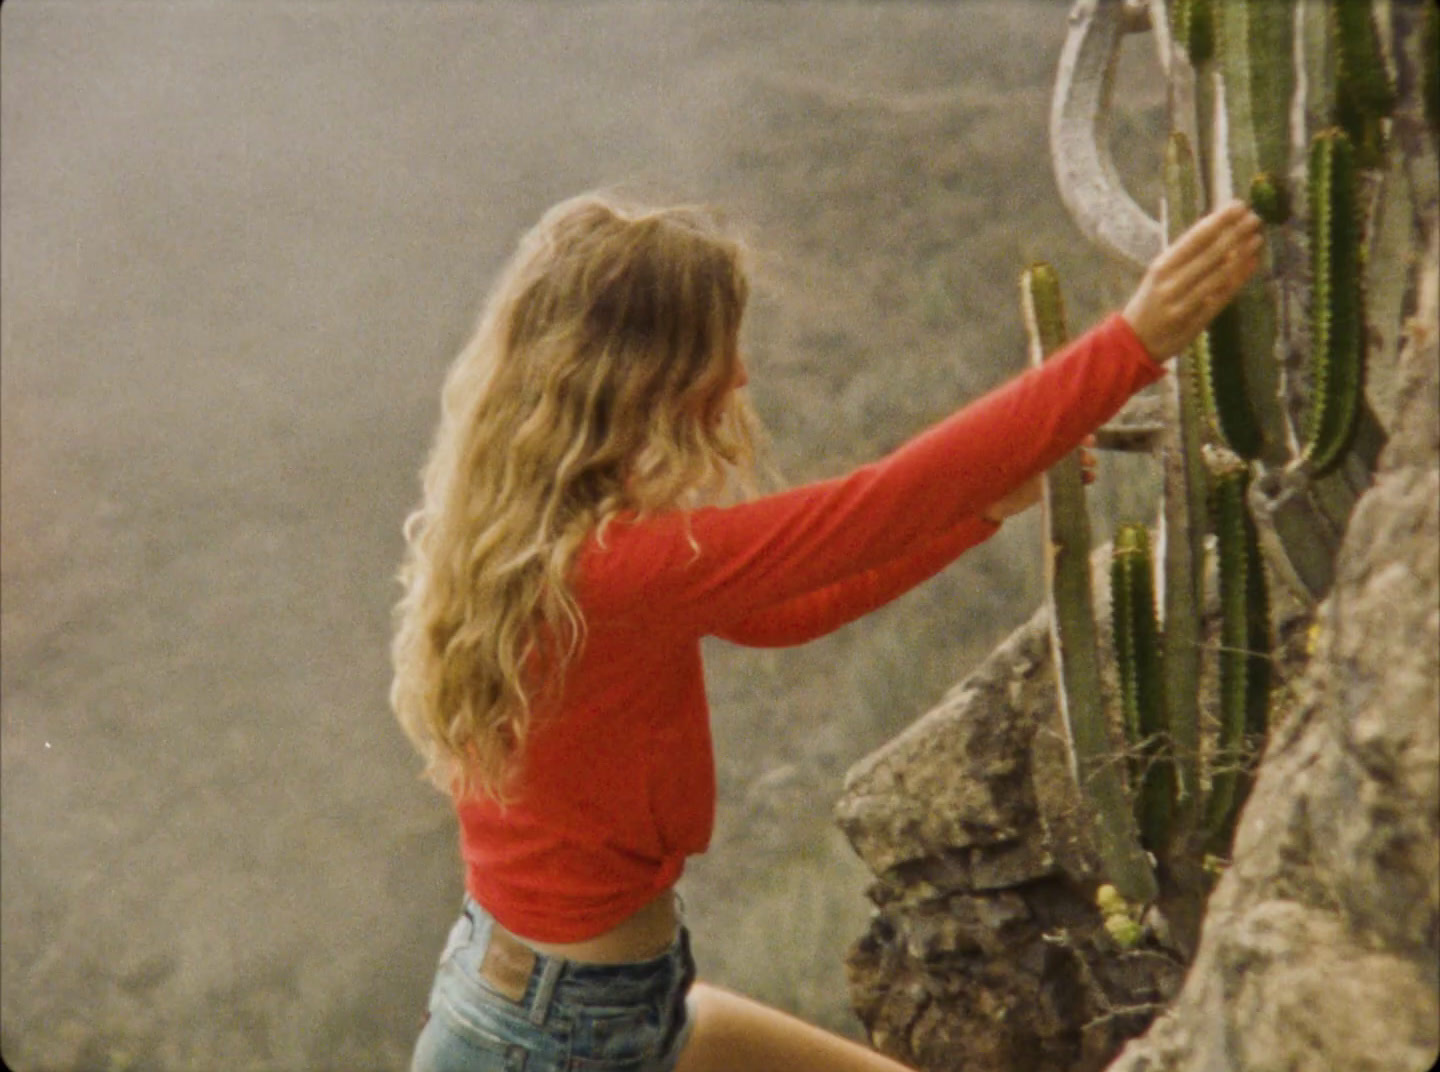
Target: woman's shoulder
631	551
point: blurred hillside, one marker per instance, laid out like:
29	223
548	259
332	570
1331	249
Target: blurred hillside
240	244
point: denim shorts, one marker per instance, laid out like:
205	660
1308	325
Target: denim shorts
573	1017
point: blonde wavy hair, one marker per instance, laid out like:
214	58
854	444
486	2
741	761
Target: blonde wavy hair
598	382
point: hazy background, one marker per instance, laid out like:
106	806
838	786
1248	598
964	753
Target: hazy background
239	244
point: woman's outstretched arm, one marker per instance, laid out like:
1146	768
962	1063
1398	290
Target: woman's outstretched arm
811	615
706	570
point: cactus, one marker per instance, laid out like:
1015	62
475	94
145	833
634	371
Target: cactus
1269	198
1072	625
1228	399
1294	440
1184	513
1337	339
1137	654
1364	93
1137	638
1193	24
1254	38
1244	645
1044	309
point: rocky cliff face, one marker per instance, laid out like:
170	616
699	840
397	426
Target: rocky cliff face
986	951
1320	943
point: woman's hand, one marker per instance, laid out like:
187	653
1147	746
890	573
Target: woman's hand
1193	279
1184	289
1030	492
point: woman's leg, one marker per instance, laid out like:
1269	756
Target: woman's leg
732	1032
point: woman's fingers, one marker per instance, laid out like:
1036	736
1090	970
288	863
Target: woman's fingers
1224	253
1207	238
1202	299
1191	281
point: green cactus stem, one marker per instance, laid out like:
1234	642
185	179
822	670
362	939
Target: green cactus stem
1270	198
1244	648
1364	92
1072	627
1337	333
1185	514
1137	653
1132	621
1222	373
1192	24
1040	287
1255	42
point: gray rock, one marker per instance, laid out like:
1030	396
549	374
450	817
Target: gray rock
986	951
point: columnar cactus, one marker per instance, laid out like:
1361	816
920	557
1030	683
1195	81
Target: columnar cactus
1364	93
1294	442
1225	393
1073	632
1185	508
1137	655
1244	647
1337	337
1192	22
1254	40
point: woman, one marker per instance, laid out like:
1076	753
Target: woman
569	554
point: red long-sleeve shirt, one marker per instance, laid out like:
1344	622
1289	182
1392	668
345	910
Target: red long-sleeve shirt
617	786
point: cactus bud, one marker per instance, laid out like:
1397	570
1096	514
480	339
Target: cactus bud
1109	901
1270	198
1124	930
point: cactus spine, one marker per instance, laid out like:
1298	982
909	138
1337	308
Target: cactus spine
1337	337
1244	646
1072	625
1137	653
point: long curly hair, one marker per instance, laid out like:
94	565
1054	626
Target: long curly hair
599	381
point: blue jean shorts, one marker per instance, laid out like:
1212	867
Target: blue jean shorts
572	1017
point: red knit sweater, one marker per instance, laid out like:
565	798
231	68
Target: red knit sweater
618	782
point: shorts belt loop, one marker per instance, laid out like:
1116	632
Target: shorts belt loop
545	989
